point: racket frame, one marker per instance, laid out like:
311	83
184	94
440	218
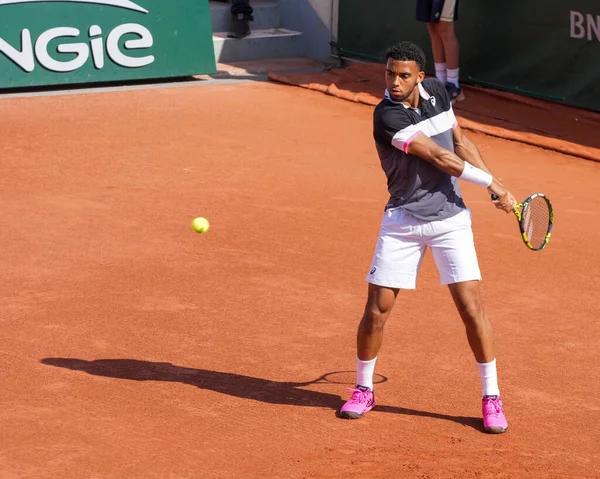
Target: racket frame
520	214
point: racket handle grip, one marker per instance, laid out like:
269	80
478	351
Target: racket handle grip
494	197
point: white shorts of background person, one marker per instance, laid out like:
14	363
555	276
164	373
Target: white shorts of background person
448	11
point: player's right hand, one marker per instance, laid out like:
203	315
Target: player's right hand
504	201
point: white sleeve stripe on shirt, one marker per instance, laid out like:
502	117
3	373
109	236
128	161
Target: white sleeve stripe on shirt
407	142
431	127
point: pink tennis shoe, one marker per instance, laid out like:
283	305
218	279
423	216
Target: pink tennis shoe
494	421
361	402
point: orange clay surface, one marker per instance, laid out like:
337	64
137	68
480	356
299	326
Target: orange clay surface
133	347
504	115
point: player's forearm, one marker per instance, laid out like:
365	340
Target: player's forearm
443	159
467	151
452	164
446	161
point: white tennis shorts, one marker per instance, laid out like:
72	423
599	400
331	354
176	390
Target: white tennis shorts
403	240
448	11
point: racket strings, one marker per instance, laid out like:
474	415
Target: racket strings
536	221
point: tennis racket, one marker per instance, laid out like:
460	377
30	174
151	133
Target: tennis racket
536	218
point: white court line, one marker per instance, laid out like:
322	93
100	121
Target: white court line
124	87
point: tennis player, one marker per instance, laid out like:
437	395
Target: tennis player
424	153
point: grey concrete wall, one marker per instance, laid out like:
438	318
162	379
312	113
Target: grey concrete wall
314	18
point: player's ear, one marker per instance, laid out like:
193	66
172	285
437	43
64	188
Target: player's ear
420	77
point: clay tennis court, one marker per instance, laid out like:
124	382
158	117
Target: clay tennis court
134	347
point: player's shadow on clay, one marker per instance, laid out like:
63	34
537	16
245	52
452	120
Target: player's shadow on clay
246	387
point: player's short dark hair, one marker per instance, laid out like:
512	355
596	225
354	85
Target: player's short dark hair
406	52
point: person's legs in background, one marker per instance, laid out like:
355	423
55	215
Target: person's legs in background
444	43
439	53
242	16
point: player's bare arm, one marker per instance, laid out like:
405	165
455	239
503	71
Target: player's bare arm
451	163
468	151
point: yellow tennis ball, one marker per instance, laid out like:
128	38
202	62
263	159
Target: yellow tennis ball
200	225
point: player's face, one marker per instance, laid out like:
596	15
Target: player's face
401	78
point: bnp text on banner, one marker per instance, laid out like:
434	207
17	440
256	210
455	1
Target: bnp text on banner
585	25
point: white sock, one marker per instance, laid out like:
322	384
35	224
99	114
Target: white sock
364	372
440	72
453	76
489	378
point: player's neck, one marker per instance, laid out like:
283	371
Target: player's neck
414	99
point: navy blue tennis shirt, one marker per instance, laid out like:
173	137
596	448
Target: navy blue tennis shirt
414	184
